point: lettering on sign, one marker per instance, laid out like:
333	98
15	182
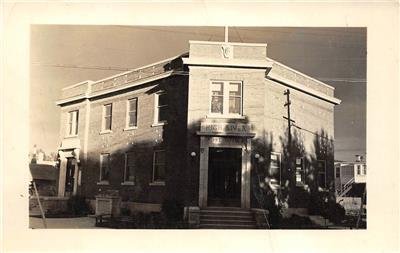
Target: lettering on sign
230	128
224	141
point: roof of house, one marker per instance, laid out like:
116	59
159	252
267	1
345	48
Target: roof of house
43	171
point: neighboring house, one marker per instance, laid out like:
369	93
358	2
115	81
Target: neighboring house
46	178
350	178
198	128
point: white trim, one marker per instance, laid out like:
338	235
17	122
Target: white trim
244	63
230	43
127	182
303	88
127	86
302	74
103	121
225	100
156	120
77	84
127	127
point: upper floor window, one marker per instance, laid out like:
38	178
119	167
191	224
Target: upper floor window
104	167
132	107
73	122
358	166
161	107
107	117
226	98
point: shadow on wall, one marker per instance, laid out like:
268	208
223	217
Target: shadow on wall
275	191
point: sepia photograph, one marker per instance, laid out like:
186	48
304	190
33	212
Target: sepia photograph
197	127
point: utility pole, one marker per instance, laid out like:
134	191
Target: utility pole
289	155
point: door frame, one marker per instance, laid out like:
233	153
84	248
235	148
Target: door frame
239	142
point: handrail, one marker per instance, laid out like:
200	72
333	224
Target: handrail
346	187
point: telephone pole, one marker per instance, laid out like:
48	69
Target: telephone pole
290	121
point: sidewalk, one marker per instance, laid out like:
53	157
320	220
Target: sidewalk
80	222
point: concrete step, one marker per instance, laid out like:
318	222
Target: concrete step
227	217
227	226
232	222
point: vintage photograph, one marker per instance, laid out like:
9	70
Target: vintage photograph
196	127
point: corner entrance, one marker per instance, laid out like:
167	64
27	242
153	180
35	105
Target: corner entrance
224	176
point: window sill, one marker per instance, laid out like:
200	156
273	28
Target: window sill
128	183
225	116
71	136
158	124
130	128
103	183
105	132
159	183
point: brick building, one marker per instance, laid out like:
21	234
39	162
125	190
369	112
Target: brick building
205	128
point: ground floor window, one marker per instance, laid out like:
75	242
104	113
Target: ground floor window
159	166
300	177
104	167
275	166
129	172
321	176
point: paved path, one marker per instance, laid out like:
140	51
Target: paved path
81	222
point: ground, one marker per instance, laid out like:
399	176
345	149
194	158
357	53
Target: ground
80	222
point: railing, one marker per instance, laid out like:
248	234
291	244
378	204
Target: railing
345	188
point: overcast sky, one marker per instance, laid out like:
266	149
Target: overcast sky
64	55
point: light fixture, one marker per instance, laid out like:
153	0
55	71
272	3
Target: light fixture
193	154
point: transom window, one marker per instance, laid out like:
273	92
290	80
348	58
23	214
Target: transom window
161	107
226	97
159	166
132	113
107	116
104	167
129	173
73	122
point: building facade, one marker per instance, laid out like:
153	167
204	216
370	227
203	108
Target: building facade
205	128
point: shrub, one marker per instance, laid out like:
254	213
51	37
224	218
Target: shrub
172	209
77	205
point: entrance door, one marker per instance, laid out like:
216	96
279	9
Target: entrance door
224	176
69	179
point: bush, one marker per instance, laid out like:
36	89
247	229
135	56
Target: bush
172	209
335	212
77	206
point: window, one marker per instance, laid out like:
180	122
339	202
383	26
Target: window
73	123
161	107
129	173
132	113
299	171
107	117
338	172
365	169
321	177
358	169
159	166
226	98
104	167
275	166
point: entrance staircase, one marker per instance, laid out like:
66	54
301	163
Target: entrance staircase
345	188
227	218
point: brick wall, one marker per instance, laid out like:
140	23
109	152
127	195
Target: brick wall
142	141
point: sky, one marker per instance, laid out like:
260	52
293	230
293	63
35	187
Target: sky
61	55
